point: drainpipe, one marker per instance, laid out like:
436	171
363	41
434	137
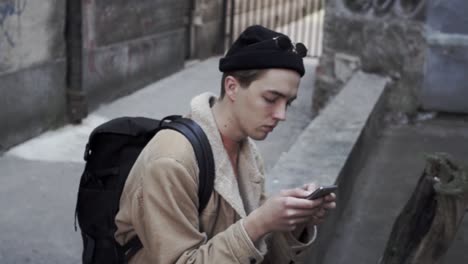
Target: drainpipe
77	106
196	21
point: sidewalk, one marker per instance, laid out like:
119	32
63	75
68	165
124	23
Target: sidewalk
39	178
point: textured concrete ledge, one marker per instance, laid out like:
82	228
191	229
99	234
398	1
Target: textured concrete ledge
333	147
322	150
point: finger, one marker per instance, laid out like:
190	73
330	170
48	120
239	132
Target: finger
330	197
296	192
310	187
298	221
316	221
300	203
299	213
331	205
320	213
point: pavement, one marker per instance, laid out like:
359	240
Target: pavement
39	178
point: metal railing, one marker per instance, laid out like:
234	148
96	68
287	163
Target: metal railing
301	20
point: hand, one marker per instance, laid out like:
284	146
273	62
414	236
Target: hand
328	203
282	213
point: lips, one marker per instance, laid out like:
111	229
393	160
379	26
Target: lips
269	128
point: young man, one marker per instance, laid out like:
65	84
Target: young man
261	74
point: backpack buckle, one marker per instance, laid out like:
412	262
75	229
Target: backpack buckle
87	152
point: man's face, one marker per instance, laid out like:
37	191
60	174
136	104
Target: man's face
259	107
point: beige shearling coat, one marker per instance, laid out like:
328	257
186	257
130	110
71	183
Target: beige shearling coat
160	203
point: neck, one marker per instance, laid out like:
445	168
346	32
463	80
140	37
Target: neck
227	124
231	147
229	134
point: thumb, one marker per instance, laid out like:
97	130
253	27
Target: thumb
310	187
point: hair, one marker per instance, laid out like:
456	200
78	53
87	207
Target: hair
244	77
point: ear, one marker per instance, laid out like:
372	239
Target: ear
231	86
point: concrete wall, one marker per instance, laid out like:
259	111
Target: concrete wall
445	82
422	45
207	28
388	40
61	59
32	68
127	45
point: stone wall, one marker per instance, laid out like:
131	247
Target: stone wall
60	60
422	45
386	38
445	82
207	28
127	45
32	68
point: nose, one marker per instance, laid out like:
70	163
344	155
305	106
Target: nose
280	112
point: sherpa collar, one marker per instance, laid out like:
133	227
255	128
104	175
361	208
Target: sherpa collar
243	195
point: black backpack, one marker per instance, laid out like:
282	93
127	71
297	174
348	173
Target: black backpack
110	153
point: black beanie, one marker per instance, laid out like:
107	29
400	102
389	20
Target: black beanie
261	48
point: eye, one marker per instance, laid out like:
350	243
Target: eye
270	100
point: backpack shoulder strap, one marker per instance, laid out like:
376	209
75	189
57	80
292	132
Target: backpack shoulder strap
203	153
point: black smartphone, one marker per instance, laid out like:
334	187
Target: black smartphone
322	191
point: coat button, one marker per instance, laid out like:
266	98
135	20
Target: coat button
253	261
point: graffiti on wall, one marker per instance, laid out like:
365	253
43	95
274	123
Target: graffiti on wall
404	8
8	10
